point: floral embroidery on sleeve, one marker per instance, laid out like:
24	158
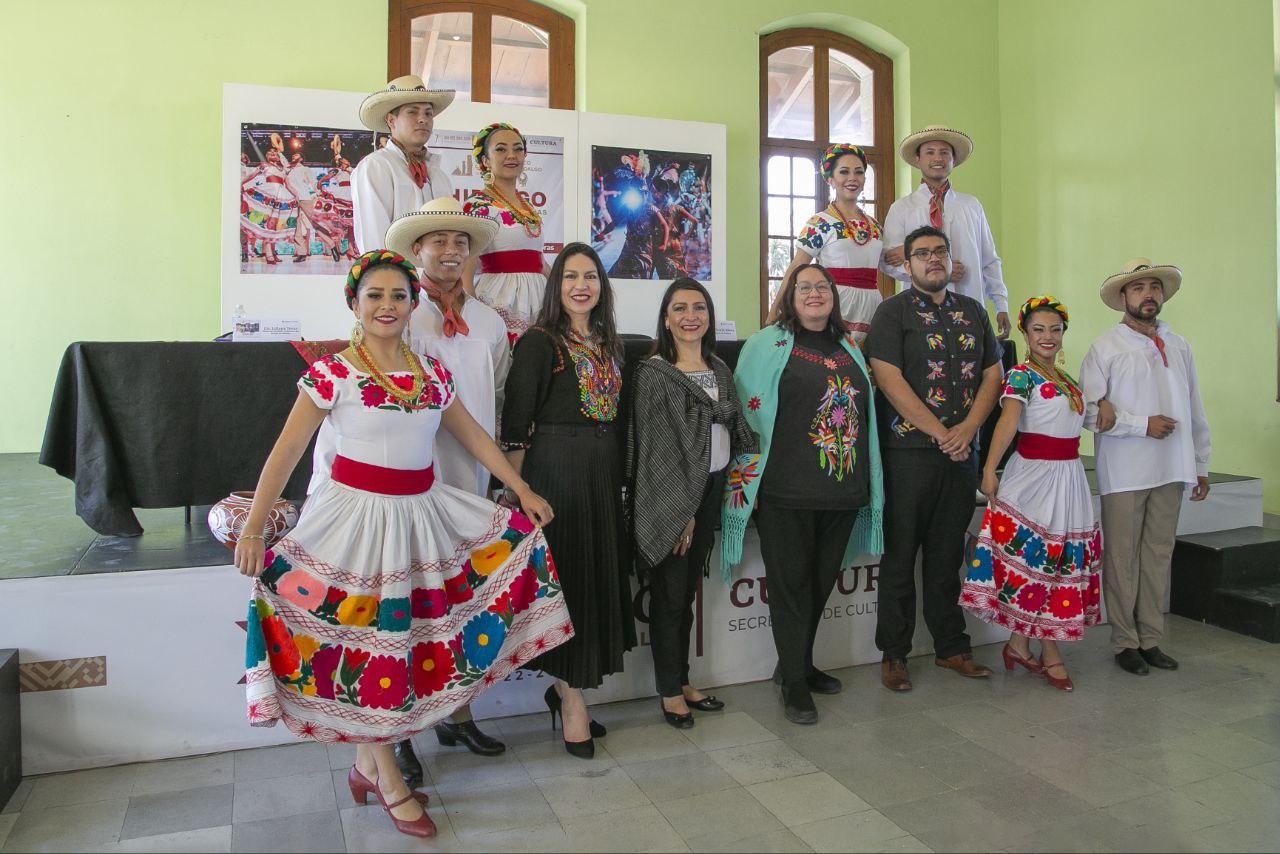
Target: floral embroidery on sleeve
317	381
1018	384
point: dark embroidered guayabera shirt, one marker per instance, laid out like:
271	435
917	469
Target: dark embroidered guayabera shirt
941	350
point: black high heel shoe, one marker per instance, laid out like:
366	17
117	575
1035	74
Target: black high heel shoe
707	704
553	705
674	719
581	749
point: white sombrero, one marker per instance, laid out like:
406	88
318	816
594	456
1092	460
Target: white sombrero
442	214
403	90
959	142
1139	268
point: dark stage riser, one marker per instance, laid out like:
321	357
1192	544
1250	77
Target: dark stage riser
1229	579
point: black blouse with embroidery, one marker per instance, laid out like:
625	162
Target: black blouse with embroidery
941	350
818	453
552	383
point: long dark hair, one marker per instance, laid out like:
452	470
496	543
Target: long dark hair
554	320
787	317
665	343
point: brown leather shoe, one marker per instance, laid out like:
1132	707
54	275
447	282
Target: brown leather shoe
964	665
893	674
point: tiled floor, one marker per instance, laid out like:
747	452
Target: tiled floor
1185	761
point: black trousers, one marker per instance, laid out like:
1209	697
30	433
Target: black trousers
802	552
929	501
673	585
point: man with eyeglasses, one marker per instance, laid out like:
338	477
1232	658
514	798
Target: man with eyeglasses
936	362
975	266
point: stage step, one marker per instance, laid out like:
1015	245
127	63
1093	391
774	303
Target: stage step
1253	611
1229	579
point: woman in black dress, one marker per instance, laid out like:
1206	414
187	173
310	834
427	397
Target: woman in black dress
560	429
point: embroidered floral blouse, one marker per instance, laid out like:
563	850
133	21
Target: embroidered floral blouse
552	383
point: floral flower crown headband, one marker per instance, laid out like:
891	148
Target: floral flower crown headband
375	258
1047	302
835	152
482	136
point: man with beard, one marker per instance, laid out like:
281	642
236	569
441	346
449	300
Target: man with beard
1152	441
936	361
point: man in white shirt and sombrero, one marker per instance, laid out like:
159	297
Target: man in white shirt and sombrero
976	270
1152	443
402	176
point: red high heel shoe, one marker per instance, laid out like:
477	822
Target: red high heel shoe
362	787
1011	658
1062	684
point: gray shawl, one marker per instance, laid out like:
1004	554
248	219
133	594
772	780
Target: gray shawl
669	449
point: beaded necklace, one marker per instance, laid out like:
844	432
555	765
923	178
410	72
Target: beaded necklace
410	398
866	229
1063	383
524	214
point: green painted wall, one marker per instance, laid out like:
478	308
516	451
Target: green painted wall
113	110
1146	128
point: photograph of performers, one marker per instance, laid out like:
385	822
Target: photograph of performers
295	197
651	212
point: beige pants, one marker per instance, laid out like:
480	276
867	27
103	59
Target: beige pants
1138	532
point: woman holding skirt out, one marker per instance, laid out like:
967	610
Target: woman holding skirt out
1035	569
397	598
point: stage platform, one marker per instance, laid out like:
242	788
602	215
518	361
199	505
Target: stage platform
133	647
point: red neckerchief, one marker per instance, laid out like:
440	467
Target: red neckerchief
453	322
417	161
935	203
1154	335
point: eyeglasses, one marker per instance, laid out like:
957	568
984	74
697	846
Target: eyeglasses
941	253
807	289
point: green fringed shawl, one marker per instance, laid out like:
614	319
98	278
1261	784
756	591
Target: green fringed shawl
759	370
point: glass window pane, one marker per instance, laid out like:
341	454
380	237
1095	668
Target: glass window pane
440	51
852	100
775	285
791	93
869	208
869	188
521	64
780	216
801	210
779	256
803	174
779	175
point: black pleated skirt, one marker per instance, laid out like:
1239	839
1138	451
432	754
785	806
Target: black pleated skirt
578	469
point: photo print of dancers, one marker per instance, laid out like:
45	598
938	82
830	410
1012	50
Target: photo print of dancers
651	213
295	197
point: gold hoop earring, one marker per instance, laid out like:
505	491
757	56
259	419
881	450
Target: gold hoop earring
357	334
486	176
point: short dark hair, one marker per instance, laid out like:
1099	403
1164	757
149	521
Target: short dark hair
788	318
923	231
554	320
664	344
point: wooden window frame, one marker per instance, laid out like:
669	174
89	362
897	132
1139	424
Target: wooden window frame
559	29
881	156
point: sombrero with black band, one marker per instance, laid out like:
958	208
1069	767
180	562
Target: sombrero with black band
403	90
442	214
960	143
1139	268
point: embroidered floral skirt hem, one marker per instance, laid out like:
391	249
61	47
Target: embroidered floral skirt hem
380	615
1036	567
857	306
517	297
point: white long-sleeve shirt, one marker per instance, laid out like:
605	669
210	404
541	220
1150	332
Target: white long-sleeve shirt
1124	366
382	189
965	224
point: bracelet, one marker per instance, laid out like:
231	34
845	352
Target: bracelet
252	537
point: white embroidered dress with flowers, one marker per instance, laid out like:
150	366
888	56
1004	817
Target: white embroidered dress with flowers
1036	569
516	296
396	599
827	240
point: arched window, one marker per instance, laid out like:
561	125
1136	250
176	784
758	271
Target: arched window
817	87
502	52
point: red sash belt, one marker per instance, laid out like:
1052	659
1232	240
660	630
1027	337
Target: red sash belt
344	183
384	481
1037	446
854	277
512	261
274	179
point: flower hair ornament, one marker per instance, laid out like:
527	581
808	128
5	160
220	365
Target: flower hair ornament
833	154
374	258
482	136
1043	302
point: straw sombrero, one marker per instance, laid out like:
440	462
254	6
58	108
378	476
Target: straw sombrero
442	214
403	90
1139	268
960	143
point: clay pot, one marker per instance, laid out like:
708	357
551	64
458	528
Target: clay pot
227	517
